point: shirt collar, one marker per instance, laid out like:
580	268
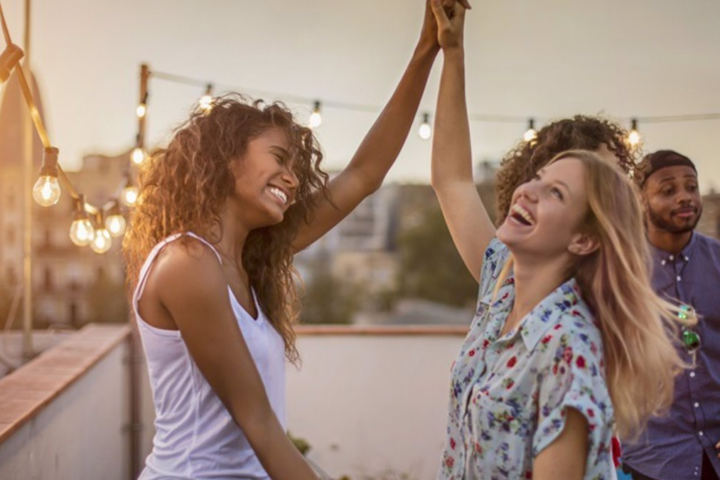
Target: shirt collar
545	315
686	253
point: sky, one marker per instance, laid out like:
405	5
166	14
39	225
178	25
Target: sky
545	59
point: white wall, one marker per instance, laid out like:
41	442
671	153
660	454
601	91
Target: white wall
82	434
369	404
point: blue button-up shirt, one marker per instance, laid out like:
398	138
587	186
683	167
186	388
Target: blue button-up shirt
672	446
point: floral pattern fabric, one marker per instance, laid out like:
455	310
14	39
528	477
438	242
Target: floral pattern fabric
509	394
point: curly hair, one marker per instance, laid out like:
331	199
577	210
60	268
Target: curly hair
184	186
579	132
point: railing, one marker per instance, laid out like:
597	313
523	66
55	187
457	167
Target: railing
67	413
370	401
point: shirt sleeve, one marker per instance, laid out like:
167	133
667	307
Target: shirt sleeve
574	380
496	255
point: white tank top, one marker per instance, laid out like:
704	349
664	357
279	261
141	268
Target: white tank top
196	438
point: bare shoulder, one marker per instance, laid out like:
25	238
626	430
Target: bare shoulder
186	267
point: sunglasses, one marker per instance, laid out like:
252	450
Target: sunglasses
690	339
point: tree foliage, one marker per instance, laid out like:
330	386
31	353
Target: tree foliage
431	267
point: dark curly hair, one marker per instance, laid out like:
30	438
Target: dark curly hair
184	186
580	132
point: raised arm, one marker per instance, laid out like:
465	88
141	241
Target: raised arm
200	307
382	144
452	176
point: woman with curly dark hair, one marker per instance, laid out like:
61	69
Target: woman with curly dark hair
222	210
580	132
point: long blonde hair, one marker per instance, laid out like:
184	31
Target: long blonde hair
641	361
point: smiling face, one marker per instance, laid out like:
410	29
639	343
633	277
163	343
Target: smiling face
265	183
672	200
547	212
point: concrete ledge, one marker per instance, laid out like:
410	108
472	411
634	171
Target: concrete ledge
28	390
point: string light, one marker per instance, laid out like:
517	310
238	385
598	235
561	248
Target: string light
315	117
102	241
206	101
425	130
115	221
46	191
138	155
82	231
9	59
130	193
634	137
530	134
141	110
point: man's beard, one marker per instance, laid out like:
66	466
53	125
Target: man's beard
661	224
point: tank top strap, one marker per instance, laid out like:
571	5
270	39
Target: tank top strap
198	237
142	279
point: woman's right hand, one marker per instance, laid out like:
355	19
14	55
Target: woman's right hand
450	23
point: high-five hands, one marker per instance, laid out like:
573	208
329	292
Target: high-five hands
450	22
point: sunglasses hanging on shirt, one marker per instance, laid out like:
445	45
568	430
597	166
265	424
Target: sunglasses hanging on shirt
690	339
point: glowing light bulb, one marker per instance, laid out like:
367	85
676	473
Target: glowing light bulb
130	195
425	130
138	155
634	137
46	191
82	232
141	110
206	103
315	117
530	134
102	241
115	224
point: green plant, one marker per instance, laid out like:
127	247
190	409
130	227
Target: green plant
300	443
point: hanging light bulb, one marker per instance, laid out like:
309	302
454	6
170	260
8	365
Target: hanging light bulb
634	137
46	191
82	231
138	155
9	59
141	110
530	134
425	130
130	193
115	221
206	101
315	117
102	241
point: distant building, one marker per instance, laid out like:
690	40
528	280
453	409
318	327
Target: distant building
362	250
710	220
71	285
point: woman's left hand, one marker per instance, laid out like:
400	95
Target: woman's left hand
429	32
450	20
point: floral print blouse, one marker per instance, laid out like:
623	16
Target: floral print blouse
509	394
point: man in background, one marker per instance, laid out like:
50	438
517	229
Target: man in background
682	445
